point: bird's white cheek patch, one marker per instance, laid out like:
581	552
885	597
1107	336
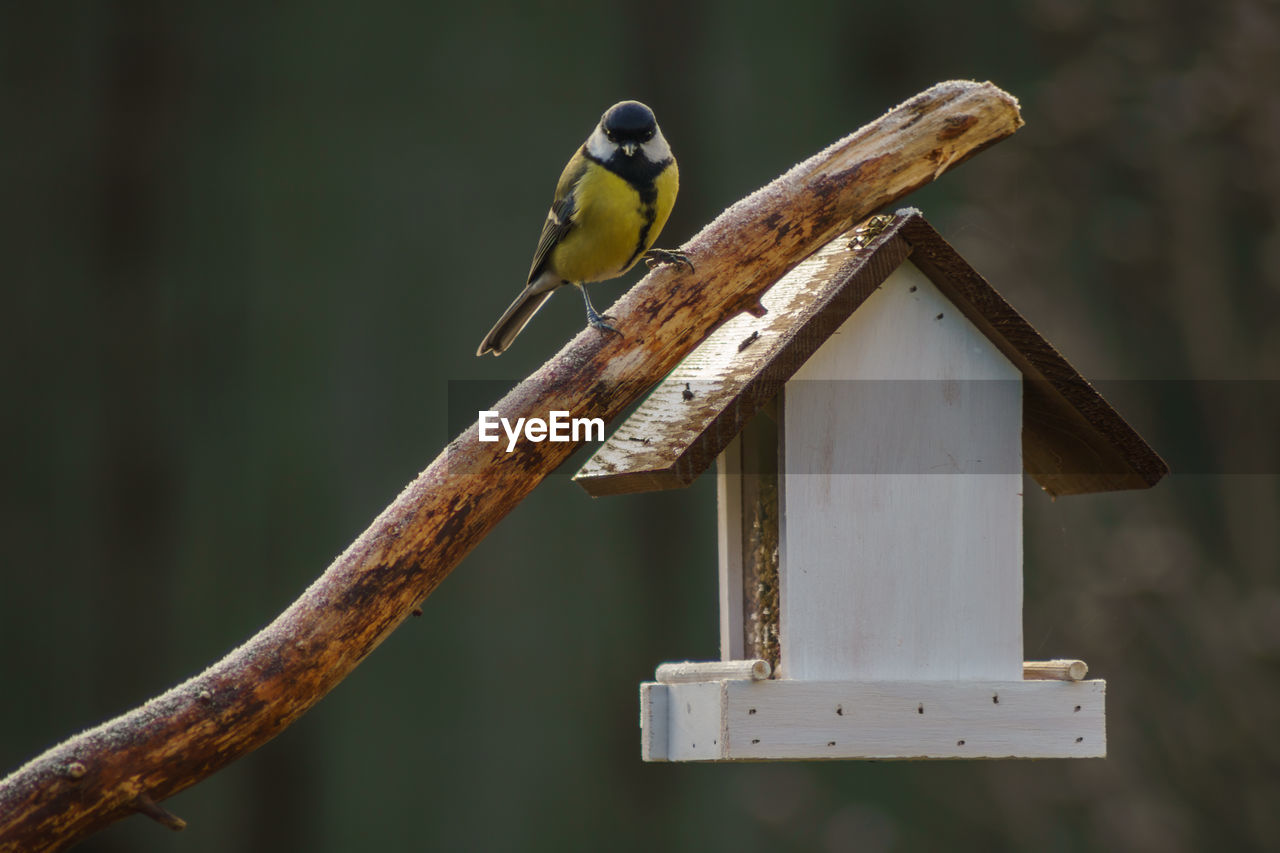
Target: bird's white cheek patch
656	150
599	146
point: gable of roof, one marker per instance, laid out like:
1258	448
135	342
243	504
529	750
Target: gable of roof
1074	442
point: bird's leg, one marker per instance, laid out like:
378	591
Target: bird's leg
655	257
595	320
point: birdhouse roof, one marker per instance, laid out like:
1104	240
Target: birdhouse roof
1074	442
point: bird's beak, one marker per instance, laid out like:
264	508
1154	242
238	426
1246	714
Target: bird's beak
628	148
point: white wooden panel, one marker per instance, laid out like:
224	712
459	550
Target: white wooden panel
729	534
654	715
901	545
695	720
1035	719
793	720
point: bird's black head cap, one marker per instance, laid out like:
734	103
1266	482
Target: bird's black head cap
629	121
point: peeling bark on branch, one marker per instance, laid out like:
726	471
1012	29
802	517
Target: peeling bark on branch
130	763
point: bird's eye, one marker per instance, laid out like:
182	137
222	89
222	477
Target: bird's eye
608	134
648	134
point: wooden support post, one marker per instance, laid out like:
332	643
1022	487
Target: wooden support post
717	670
1054	670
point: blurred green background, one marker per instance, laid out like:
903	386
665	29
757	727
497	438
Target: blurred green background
247	248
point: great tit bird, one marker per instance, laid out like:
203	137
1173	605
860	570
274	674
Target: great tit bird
612	200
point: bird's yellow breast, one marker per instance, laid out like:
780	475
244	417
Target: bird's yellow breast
612	225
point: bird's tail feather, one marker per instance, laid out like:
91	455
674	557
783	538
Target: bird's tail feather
513	321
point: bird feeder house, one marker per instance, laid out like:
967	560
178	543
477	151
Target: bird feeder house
870	434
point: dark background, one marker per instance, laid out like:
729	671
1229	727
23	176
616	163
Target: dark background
246	248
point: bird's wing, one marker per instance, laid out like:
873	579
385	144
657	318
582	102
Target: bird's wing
559	220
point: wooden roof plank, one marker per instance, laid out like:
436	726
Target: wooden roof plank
1074	442
693	414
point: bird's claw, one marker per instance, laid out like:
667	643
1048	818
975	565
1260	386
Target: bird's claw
657	257
600	321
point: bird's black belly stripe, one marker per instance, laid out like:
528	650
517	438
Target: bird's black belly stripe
650	213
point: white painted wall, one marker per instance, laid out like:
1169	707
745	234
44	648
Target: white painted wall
901	552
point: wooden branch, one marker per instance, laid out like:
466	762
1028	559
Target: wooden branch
251	695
